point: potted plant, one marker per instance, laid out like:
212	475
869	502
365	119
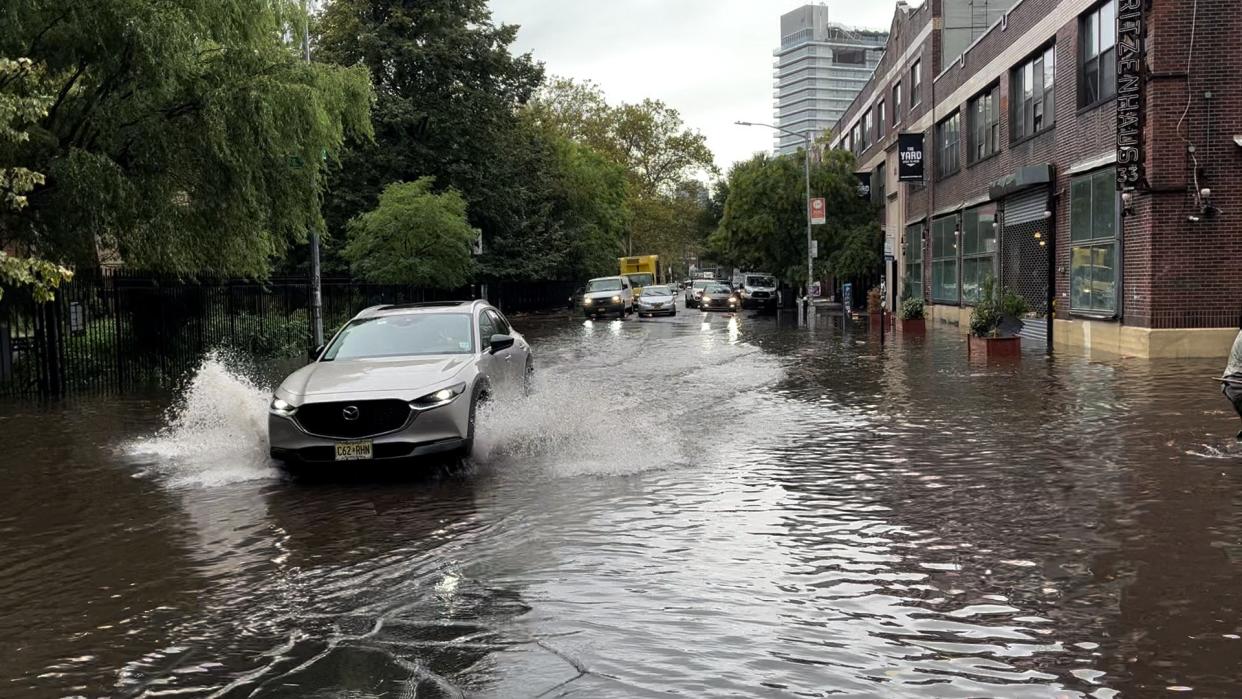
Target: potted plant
911	316
996	322
875	307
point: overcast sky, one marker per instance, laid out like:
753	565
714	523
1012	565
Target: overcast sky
709	59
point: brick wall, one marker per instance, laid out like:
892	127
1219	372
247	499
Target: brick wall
1193	269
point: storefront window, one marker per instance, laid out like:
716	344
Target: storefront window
978	250
914	260
1093	233
944	259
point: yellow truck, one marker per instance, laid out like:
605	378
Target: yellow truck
643	270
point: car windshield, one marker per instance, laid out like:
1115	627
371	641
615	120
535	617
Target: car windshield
718	289
641	280
702	283
403	335
760	281
604	285
657	291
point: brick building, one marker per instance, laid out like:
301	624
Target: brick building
1085	153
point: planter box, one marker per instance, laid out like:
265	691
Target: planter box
914	326
995	346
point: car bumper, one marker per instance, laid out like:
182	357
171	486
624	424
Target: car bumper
666	309
769	302
598	309
718	306
435	431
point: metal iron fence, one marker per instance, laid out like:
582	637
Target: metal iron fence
109	332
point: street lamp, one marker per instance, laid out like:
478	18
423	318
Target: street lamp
806	159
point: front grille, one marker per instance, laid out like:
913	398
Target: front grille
374	417
759	295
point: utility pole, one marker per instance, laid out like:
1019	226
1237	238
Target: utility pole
810	259
316	299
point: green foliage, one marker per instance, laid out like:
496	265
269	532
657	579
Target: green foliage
413	236
40	276
764	221
448	94
912	309
660	157
187	137
996	309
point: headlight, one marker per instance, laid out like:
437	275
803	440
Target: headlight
616	299
440	398
282	408
587	302
732	300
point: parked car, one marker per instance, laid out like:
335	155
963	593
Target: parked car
695	290
608	296
718	297
397	382
757	291
657	300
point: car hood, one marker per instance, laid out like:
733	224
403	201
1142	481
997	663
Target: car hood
761	288
655	299
405	377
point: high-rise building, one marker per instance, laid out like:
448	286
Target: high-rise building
820	68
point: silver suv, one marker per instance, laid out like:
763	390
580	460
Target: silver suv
398	382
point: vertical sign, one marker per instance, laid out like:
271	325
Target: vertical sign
910	157
1130	93
819	212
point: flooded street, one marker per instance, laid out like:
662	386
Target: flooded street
720	507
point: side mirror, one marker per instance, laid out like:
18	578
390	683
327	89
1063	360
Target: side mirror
501	342
314	354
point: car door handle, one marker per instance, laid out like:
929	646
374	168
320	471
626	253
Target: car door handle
509	357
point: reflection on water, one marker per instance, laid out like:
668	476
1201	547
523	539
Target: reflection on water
717	506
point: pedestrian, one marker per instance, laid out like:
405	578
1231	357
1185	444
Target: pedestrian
1231	382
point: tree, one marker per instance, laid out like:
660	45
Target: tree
650	141
188	136
448	89
19	107
413	236
764	221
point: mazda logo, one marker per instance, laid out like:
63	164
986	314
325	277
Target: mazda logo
351	413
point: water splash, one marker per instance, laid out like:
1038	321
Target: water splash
216	434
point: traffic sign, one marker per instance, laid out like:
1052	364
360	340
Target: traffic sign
819	211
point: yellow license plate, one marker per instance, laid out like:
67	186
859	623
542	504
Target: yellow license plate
354	451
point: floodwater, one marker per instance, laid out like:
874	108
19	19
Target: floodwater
720	507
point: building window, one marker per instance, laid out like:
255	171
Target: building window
978	250
944	259
914	261
948	145
855	140
879	186
1097	36
896	103
868	128
879	121
916	84
849	57
1032	96
1093	235
984	111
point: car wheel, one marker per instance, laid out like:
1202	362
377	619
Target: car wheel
479	397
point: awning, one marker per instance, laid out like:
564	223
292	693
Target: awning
1022	178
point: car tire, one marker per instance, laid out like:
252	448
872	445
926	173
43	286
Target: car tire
479	397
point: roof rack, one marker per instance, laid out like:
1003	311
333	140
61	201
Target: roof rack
422	304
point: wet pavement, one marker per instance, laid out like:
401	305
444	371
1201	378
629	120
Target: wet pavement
720	507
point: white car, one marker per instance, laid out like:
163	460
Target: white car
608	296
397	382
657	300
